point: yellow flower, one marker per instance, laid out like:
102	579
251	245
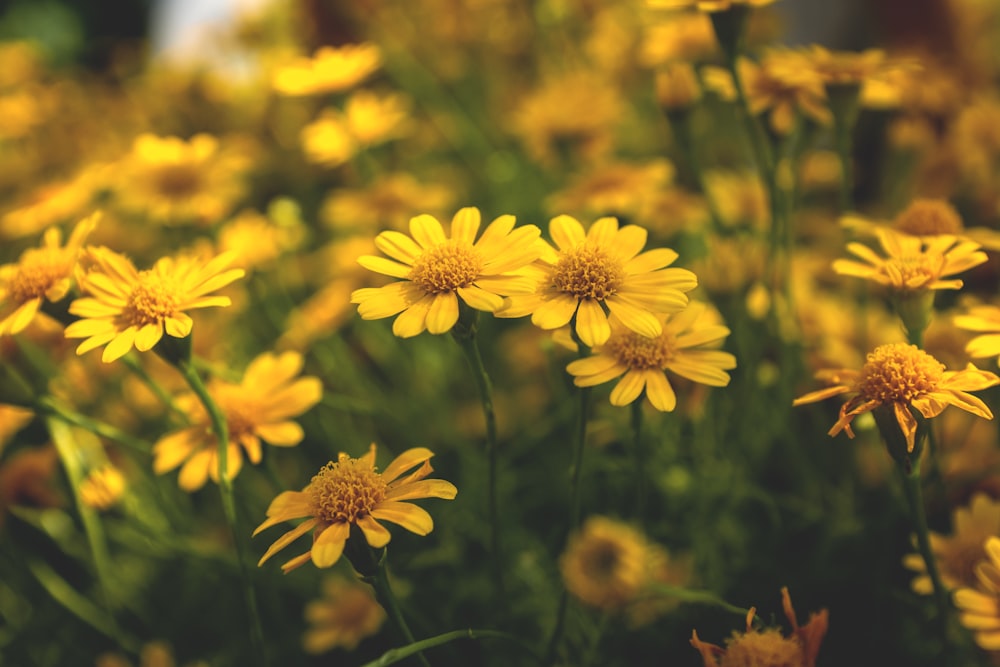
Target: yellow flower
958	554
837	68
259	407
257	240
351	492
677	87
599	269
127	308
678	38
902	377
328	141
682	348
705	5
769	647
171	180
913	263
373	119
979	610
346	614
784	84
330	70
922	217
40	273
985	319
52	204
103	487
388	202
606	564
616	188
438	270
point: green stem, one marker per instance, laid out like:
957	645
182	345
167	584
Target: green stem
383	593
133	365
395	655
680	123
914	497
221	428
691	596
466	338
49	406
640	463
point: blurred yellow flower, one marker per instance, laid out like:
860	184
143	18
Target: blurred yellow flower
767	648
678	38
258	408
602	268
784	85
684	348
103	487
958	554
327	141
52	204
373	119
979	610
615	188
126	307
606	564
388	202
677	87
438	270
838	68
984	319
901	377
40	273
330	70
172	181
256	240
351	492
346	614
706	5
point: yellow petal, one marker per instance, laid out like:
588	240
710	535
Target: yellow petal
427	231
414	519
425	488
119	345
413	320
592	324
148	336
566	232
465	224
443	313
328	547
287	538
628	388
375	533
659	392
408	459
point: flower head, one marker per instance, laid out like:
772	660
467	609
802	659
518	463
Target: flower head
705	5
127	307
330	70
103	487
606	564
913	263
683	347
258	408
40	273
979	610
351	492
759	648
346	614
438	270
598	269
901	378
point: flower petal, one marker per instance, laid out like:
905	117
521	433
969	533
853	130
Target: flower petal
328	547
414	519
375	533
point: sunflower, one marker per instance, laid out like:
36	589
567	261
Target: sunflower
127	307
438	270
258	408
40	273
599	269
351	492
902	378
682	348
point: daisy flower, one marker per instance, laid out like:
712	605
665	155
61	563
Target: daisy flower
127	307
682	348
602	268
345	614
606	564
40	273
438	270
902	377
351	492
258	408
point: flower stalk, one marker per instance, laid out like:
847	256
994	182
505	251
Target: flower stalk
372	567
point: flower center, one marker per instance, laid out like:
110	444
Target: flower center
913	271
899	373
447	267
177	181
602	560
587	272
345	490
240	419
638	352
756	649
153	298
37	271
929	217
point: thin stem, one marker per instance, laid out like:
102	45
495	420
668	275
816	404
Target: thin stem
395	655
680	123
221	428
154	386
383	593
466	338
914	497
640	463
692	596
48	405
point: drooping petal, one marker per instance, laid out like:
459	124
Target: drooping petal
328	547
414	519
480	299
659	391
443	313
375	533
592	324
628	388
413	320
287	538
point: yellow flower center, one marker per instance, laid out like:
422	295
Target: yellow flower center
898	373
153	298
240	419
38	270
447	267
345	490
601	560
587	272
638	352
763	649
177	181
913	270
929	217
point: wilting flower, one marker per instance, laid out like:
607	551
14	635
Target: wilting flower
769	647
127	307
258	408
438	270
602	268
103	487
901	377
346	614
40	273
958	554
984	319
683	348
606	564
351	492
979	610
330	70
